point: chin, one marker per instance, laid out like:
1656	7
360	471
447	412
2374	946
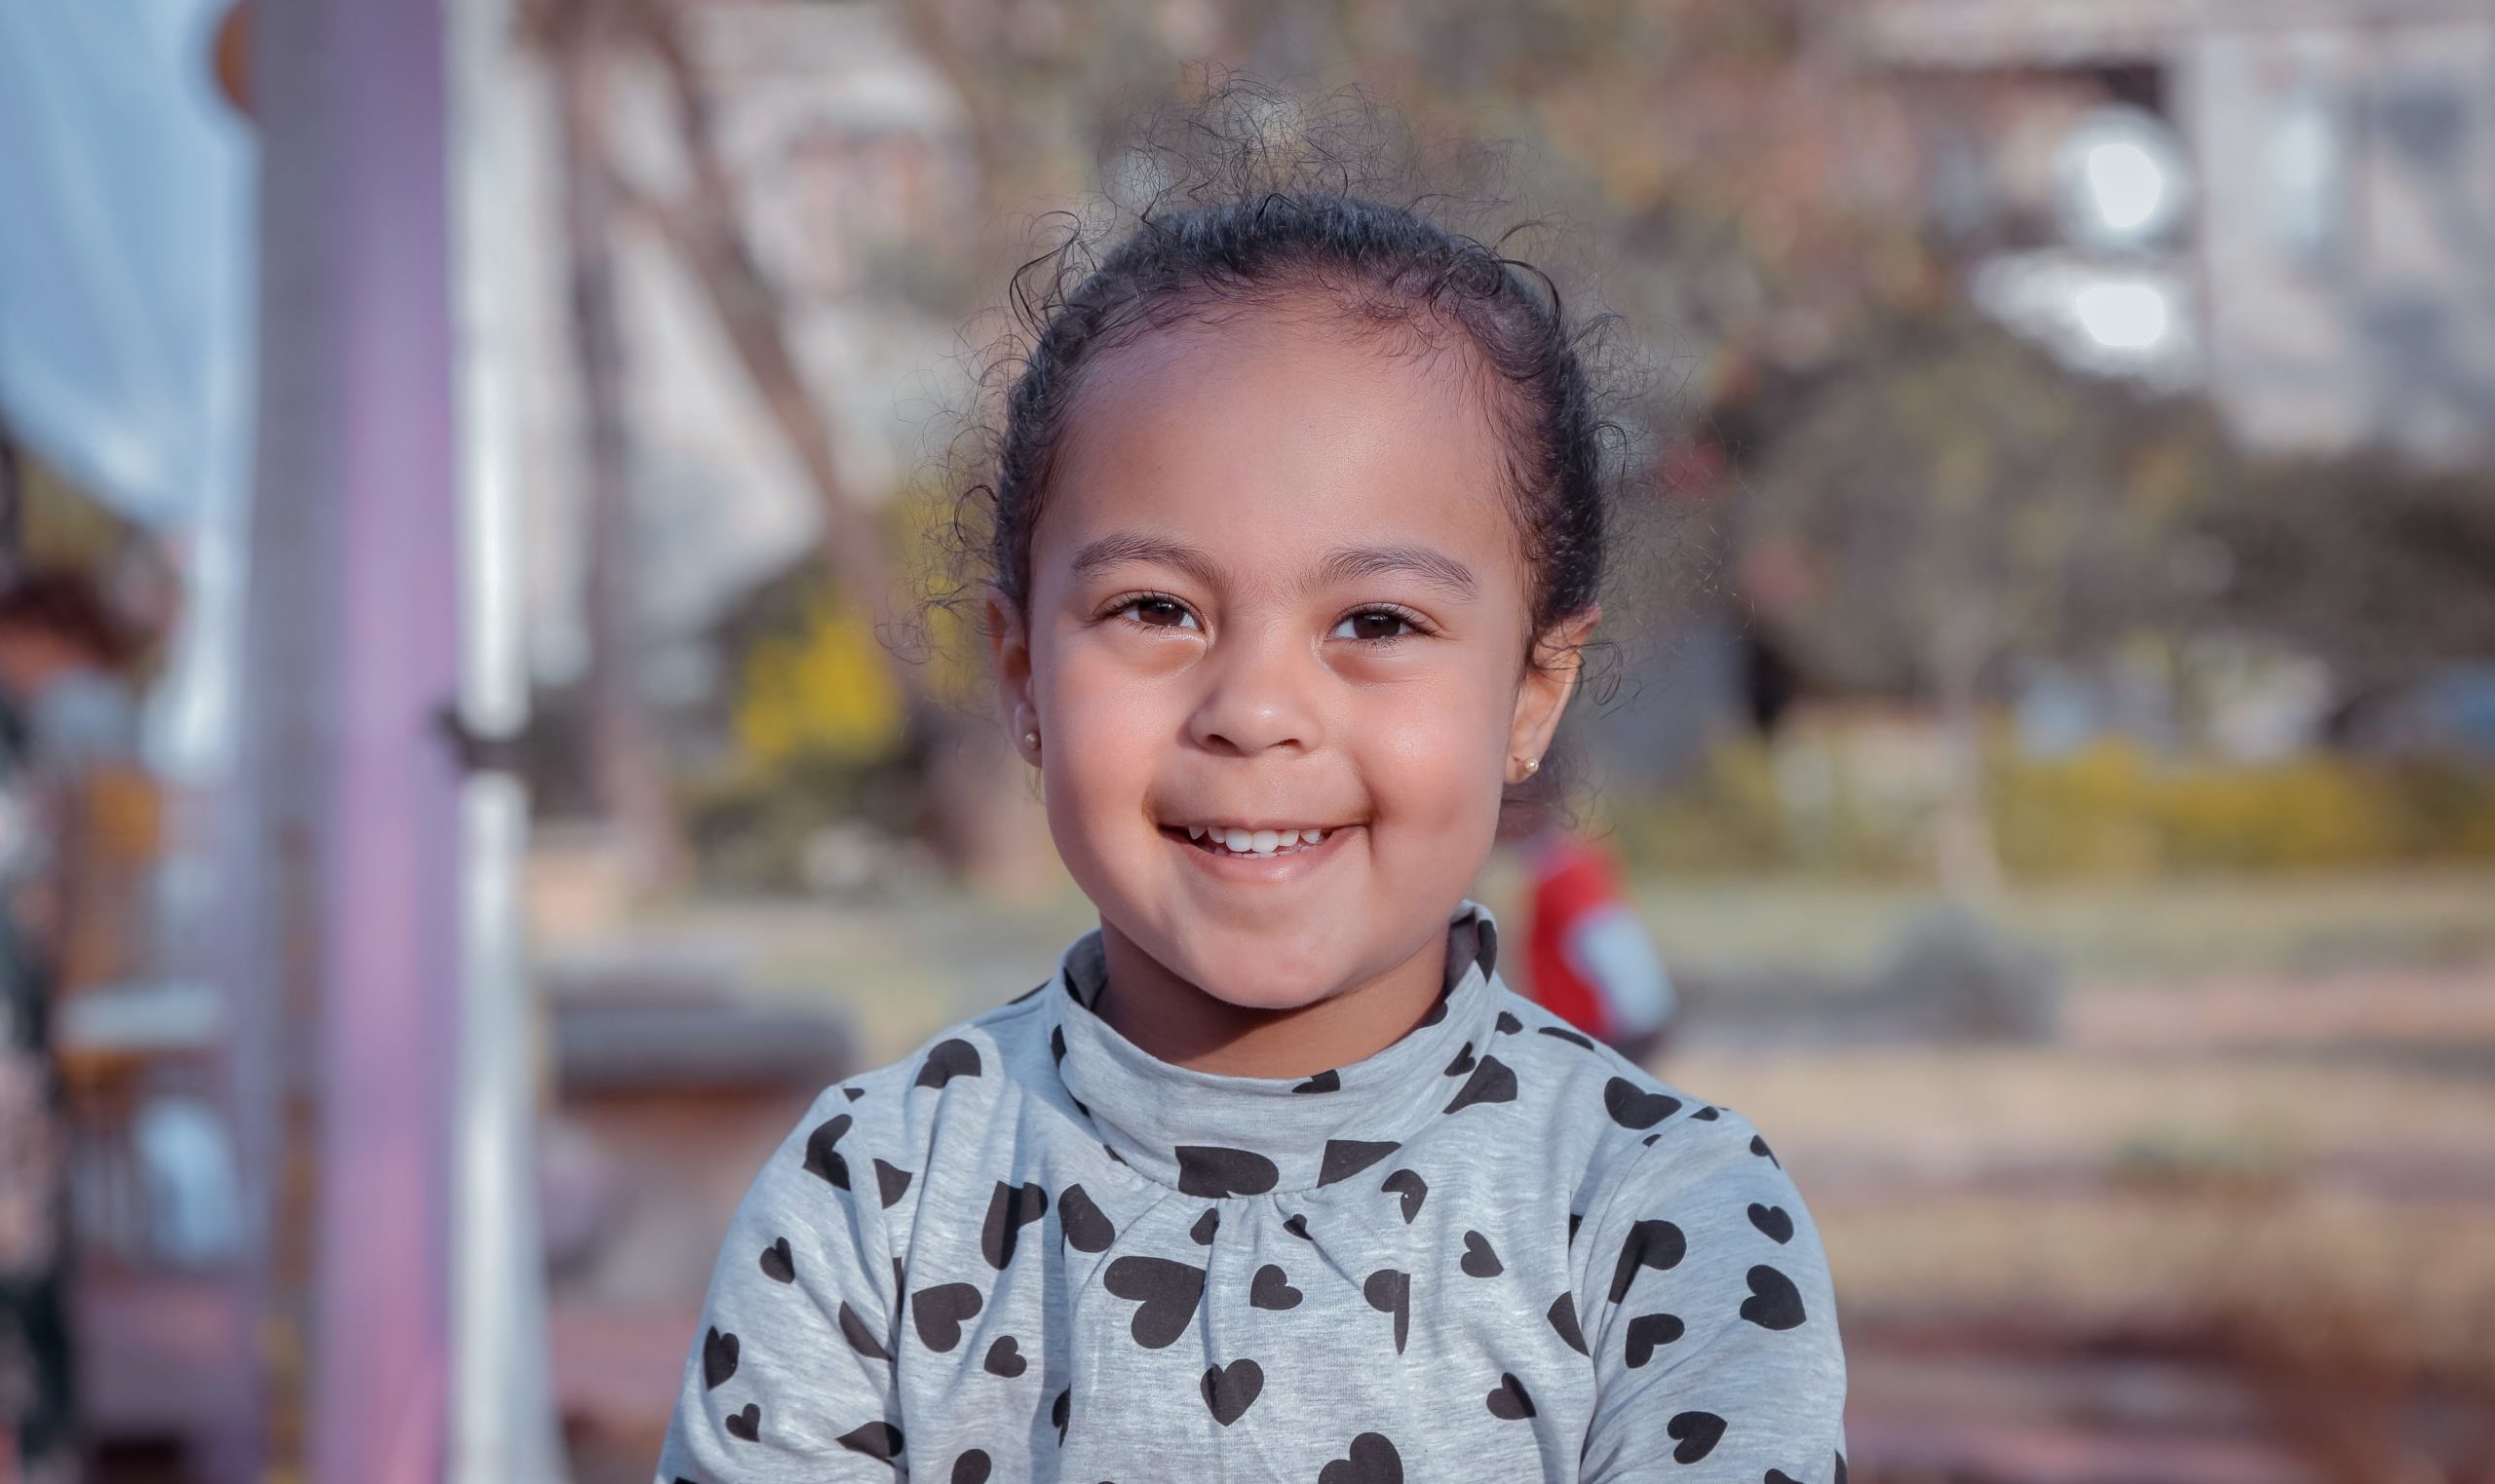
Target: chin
1258	981
1267	995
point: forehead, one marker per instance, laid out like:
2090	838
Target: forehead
1275	435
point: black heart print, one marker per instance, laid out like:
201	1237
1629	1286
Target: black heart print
1463	1062
1479	1260
1271	1288
1697	1433
1648	1330
1005	1359
1060	1412
1508	1026
1774	1302
1231	1390
779	1264
1345	1158
1774	1220
718	1359
861	1338
947	1060
1656	1244
1168	1292
1573	1038
972	1467
1010	1208
746	1425
1211	1170
1710	1113
1322	1082
1780	1476
1201	1234
1562	1315
1298	1226
853	1094
1758	1147
821	1158
1632	1107
1509	1401
1408	1184
876	1441
939	1312
1056	1043
1086	1229
1491	1082
1390	1292
1373	1460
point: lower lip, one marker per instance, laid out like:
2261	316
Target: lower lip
1261	868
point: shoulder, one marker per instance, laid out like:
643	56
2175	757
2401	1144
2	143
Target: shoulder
860	1158
1631	1137
1601	1108
969	1070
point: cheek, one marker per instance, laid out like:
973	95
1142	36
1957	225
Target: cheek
1105	726
1432	763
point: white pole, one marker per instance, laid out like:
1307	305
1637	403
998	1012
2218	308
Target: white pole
503	1423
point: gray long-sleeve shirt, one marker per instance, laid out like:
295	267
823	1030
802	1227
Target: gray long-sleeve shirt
1494	1250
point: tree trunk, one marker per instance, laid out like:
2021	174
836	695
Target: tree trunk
707	233
627	766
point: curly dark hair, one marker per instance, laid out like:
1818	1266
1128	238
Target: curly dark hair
1251	198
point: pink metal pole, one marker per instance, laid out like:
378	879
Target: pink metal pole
354	656
379	1394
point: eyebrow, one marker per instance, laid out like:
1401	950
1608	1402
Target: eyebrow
1343	565
1125	546
1347	565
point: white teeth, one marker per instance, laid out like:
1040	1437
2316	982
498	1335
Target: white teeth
1264	843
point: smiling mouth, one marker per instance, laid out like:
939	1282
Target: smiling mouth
1238	842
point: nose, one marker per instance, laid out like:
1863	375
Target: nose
1259	695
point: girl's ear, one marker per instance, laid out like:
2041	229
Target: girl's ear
1549	682
1009	651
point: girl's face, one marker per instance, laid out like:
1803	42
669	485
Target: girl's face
1276	592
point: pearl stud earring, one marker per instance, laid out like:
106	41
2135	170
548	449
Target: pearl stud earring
1533	766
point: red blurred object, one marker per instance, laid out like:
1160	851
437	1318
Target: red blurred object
1590	961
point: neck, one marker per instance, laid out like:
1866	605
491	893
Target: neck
1182	1024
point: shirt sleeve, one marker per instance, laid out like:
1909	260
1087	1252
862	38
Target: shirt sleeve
789	1376
1711	1320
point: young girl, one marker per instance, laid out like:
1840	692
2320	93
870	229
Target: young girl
1297	523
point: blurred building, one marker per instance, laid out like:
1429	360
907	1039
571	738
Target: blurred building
2329	277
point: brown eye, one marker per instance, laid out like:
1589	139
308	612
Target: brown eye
1373	625
1160	612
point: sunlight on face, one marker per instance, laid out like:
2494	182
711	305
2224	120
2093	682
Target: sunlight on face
1278	588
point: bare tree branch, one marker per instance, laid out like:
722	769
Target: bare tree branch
707	232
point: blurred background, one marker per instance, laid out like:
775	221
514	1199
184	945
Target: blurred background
474	770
